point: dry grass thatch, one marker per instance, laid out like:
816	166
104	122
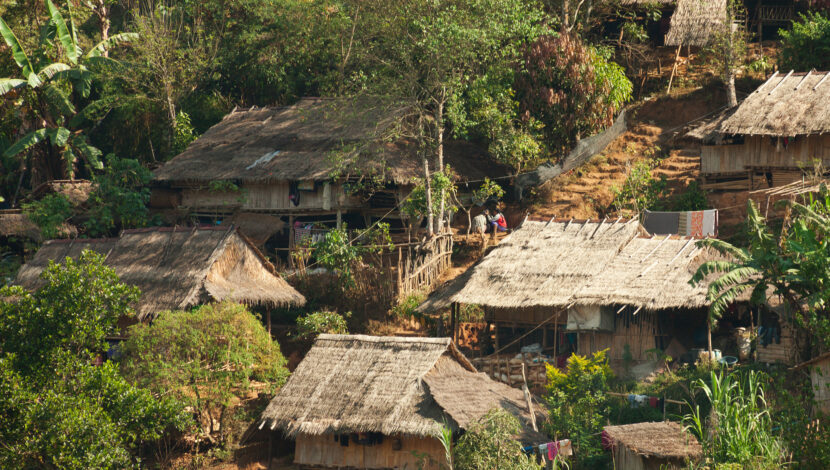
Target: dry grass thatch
391	385
647	2
75	191
786	105
558	263
662	440
300	142
177	268
694	22
13	223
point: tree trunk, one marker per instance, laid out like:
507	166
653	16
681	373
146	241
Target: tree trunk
439	138
428	191
102	12
709	338
731	95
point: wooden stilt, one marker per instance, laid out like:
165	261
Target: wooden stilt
290	241
270	447
269	322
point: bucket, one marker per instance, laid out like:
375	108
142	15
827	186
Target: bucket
728	360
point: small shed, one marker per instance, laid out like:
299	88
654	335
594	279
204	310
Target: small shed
819	367
694	22
176	268
372	402
652	446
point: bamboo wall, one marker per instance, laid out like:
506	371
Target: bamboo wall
419	271
326	452
639	334
272	196
820	377
627	459
781	353
762	152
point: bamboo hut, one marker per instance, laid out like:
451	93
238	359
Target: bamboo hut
13	223
303	163
694	22
177	268
372	402
777	132
582	286
652	446
819	368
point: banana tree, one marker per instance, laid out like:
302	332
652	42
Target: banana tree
46	93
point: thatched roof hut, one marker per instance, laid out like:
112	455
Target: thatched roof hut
694	22
388	385
301	142
646	446
177	268
786	105
75	191
562	263
13	223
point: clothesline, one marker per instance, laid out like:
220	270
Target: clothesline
667	400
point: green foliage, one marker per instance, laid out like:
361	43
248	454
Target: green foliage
794	409
58	410
49	214
183	133
691	198
406	306
312	324
572	88
491	443
335	252
119	200
792	263
77	307
415	205
640	190
578	403
205	357
738	429
807	45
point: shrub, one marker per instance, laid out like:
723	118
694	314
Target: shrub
313	324
640	191
120	198
491	443
49	214
578	403
807	45
206	357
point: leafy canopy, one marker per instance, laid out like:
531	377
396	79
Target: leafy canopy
807	45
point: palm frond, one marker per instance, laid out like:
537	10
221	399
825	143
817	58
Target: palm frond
58	99
732	278
53	69
65	36
724	248
724	299
9	84
91	154
709	267
18	53
25	143
59	136
111	42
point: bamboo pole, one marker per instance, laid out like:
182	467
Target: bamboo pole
674	68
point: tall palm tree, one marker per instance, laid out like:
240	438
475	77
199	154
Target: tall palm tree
45	89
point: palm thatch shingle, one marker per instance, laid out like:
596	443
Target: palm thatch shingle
389	385
786	105
559	263
305	141
665	440
695	22
177	268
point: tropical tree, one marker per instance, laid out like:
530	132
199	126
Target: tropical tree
52	93
793	263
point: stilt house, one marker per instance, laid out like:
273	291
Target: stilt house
773	137
177	268
584	286
819	368
374	402
324	161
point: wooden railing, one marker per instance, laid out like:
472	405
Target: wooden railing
419	268
507	368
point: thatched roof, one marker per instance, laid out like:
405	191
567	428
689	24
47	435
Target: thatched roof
694	22
647	2
707	130
786	105
391	385
562	263
13	223
666	440
299	142
177	268
819	358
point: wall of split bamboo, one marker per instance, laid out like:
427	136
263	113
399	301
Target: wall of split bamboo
507	368
325	451
419	270
272	196
638	332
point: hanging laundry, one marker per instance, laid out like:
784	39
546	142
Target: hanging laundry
607	441
652	402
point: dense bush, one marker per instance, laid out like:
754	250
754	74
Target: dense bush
807	45
58	410
491	443
312	324
205	357
578	404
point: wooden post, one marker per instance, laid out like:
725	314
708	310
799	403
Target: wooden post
527	398
270	447
339	218
269	322
290	241
674	68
